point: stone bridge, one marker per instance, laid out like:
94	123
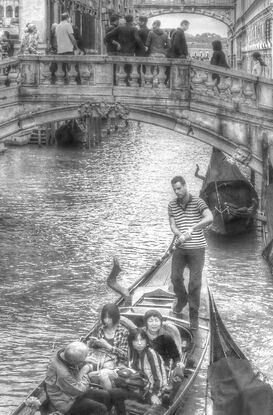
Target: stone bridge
181	95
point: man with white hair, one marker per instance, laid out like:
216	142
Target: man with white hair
68	385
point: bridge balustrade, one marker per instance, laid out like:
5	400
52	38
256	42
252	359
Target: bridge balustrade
182	95
195	78
186	80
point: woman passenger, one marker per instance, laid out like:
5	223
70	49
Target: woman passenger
147	360
165	340
113	338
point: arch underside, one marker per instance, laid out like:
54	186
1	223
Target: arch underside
224	15
169	122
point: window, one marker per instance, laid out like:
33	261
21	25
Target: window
9	11
17	11
267	28
1	11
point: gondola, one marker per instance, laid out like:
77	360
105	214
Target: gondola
152	290
71	134
267	252
234	386
230	196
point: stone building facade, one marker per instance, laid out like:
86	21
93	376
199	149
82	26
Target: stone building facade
90	16
253	32
9	16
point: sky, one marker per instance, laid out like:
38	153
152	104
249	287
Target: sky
198	24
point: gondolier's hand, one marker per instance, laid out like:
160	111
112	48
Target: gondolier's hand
188	233
185	236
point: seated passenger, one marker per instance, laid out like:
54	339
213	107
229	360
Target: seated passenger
165	339
147	360
113	338
68	385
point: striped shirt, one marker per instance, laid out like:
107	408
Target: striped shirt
188	216
151	363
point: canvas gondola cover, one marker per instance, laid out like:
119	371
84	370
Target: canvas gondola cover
236	390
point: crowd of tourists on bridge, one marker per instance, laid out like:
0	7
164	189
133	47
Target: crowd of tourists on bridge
124	37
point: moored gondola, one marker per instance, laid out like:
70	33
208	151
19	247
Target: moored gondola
152	291
235	387
229	195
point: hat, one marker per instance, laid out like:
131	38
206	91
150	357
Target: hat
152	313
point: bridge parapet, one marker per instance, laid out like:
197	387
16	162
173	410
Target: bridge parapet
190	81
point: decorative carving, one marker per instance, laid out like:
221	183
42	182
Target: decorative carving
103	110
242	154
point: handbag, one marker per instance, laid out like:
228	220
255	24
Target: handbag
131	380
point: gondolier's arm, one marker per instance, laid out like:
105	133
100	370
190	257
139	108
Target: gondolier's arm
206	220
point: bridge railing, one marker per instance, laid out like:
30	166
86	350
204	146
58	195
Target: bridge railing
234	86
9	72
198	81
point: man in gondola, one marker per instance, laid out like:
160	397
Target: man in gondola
188	216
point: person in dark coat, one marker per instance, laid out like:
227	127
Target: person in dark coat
218	59
79	39
143	32
128	38
179	48
112	44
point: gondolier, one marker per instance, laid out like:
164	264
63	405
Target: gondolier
188	216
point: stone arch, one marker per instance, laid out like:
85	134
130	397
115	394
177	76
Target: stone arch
32	119
220	15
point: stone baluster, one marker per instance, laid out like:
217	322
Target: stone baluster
161	76
85	73
148	77
248	92
197	77
135	76
121	76
210	84
13	75
46	75
236	89
72	74
60	73
3	76
224	85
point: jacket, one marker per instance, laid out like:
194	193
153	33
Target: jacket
128	38
157	41
179	44
219	59
64	383
143	34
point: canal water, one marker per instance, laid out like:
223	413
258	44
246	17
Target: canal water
64	214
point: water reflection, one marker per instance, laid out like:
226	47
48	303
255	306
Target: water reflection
65	213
